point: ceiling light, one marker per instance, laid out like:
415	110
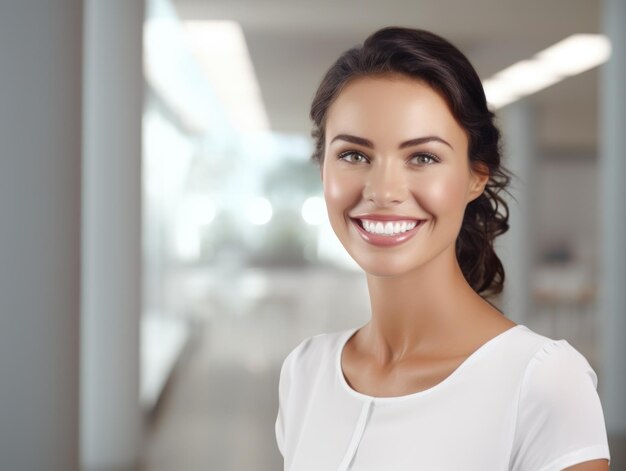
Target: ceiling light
576	54
498	93
571	56
527	77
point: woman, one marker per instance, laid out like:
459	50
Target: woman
438	379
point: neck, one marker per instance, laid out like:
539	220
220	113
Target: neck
417	311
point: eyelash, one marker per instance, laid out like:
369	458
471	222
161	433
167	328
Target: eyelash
432	157
343	156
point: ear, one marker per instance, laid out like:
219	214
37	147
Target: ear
479	178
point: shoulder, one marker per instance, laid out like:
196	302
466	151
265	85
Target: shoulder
560	387
560	421
556	375
518	349
312	354
545	362
556	368
527	341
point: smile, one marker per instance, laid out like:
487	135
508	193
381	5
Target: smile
387	228
386	233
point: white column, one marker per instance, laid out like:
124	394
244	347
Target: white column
612	282
515	247
40	184
113	96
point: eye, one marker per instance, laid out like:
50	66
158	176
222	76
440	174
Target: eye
353	157
425	159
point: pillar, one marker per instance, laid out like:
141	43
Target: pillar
515	246
40	185
612	280
113	94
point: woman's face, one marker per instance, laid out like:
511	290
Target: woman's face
396	173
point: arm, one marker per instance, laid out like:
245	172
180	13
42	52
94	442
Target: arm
594	465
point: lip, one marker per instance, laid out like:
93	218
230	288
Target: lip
388	240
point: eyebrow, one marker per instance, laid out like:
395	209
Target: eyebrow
410	143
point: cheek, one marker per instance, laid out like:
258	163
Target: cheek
444	195
339	193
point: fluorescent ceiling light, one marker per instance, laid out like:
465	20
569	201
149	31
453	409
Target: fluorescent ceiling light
527	77
571	56
498	93
576	54
220	48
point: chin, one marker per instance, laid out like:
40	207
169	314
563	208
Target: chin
386	268
386	265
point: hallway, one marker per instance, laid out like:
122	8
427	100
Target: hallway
218	411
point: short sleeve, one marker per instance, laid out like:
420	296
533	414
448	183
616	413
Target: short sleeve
560	421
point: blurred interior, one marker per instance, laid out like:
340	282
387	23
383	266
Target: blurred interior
238	261
252	287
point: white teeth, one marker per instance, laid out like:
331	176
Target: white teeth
388	228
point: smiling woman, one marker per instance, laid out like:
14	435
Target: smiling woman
426	181
438	379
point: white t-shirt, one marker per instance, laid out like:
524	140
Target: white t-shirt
520	402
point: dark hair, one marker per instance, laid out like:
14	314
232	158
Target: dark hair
428	57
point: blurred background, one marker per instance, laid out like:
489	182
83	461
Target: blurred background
164	241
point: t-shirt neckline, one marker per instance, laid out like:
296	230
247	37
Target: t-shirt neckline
468	361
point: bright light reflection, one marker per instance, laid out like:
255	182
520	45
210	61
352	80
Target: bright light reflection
220	47
527	77
188	242
576	54
198	210
314	210
259	211
498	93
571	56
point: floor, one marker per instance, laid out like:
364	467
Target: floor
218	409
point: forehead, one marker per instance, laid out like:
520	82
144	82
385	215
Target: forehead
392	108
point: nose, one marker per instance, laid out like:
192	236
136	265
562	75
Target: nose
386	184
